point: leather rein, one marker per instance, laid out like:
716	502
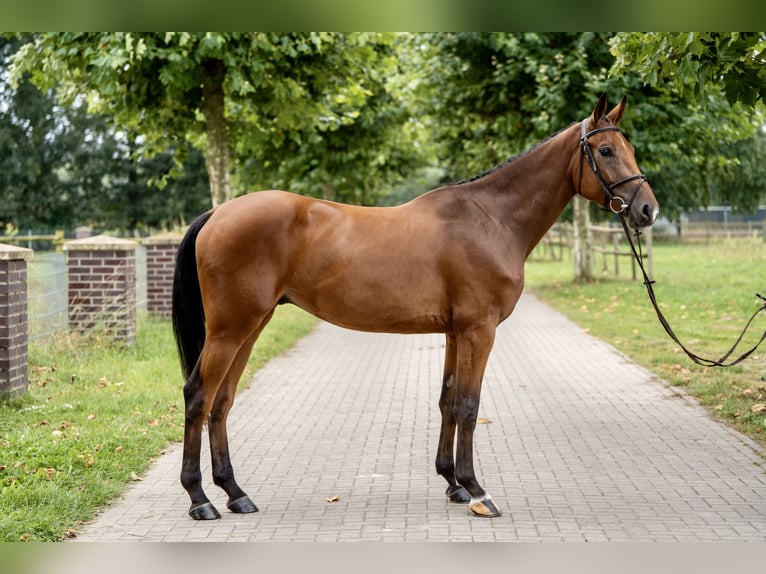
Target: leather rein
620	209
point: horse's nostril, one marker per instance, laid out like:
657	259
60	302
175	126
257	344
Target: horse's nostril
648	214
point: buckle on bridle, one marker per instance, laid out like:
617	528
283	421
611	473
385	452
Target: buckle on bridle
621	207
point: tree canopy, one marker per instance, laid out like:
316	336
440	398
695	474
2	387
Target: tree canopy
698	63
125	129
261	93
61	166
494	95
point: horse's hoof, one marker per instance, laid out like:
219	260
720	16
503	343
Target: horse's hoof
458	494
243	505
484	507
204	511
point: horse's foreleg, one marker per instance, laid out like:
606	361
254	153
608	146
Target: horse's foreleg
445	461
223	472
473	347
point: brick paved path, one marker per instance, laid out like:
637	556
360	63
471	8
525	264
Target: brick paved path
583	445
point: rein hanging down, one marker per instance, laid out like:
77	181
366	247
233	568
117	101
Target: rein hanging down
723	361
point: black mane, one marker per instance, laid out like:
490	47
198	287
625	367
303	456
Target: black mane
515	157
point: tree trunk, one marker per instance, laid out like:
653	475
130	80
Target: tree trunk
582	240
217	148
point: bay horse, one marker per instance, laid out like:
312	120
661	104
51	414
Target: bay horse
450	261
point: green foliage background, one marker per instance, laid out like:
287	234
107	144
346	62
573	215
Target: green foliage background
113	129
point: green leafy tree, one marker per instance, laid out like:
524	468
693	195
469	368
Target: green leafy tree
61	166
226	91
698	63
38	139
362	153
493	95
708	111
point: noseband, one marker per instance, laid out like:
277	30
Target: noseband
612	202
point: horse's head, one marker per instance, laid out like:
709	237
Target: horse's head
607	172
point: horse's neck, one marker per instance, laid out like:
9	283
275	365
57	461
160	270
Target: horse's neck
529	193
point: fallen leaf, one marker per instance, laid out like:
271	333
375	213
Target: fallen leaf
57	433
153	422
118	449
483	422
24	537
91	417
335	498
134	476
758	408
88	459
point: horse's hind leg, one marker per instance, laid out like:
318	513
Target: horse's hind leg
221	350
445	461
223	472
199	394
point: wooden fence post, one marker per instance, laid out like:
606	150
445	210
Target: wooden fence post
582	240
14	326
102	286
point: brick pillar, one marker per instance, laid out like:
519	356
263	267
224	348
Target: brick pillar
102	286
14	369
160	265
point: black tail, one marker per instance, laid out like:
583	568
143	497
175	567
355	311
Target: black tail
188	314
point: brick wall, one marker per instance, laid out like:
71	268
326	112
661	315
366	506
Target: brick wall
102	286
13	319
160	265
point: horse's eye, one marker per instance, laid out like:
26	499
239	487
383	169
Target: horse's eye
605	151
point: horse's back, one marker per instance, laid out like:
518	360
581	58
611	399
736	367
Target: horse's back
395	269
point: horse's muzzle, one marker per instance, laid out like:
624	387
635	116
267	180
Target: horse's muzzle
643	213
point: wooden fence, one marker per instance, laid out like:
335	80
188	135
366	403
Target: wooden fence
609	248
705	232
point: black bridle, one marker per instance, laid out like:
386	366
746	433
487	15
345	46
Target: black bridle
619	209
609	197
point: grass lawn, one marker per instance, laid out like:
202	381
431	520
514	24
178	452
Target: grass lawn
707	294
96	416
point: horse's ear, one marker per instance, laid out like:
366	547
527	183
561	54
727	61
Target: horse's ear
599	110
616	114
